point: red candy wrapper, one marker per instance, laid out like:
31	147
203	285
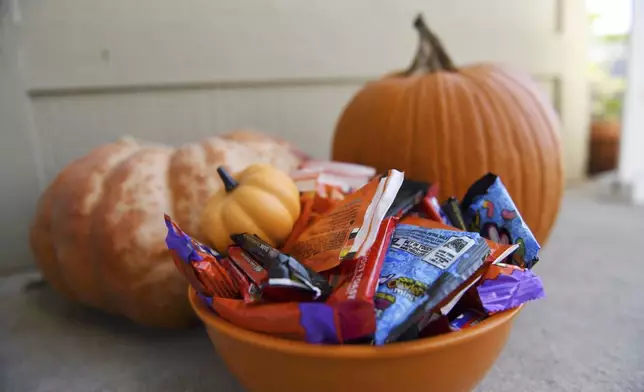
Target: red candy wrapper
252	269
250	291
431	207
199	264
355	283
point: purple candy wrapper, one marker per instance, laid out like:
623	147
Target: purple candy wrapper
318	320
506	286
206	299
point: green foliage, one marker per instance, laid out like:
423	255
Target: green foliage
614	38
592	17
607	90
607	93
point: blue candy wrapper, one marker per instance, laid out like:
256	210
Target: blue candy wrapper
422	268
490	211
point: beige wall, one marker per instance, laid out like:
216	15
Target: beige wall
20	174
177	71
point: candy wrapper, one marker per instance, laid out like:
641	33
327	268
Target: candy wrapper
307	215
490	211
437	324
346	316
340	176
345	169
436	321
350	274
325	198
489	293
505	287
355	282
279	276
199	264
289	320
349	228
422	267
313	205
249	290
498	252
452	210
313	322
466	319
409	195
433	208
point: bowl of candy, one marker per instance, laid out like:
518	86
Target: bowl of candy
450	362
377	285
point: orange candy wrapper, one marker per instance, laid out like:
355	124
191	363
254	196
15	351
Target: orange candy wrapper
313	204
349	228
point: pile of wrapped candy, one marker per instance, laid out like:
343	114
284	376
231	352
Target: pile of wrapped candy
372	259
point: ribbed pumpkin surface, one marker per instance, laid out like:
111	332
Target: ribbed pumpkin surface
451	127
98	235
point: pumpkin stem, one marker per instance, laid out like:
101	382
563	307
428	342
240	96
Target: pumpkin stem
227	179
431	55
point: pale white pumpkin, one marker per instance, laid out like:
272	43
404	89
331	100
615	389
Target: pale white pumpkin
98	235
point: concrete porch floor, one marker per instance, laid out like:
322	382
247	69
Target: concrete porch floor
587	335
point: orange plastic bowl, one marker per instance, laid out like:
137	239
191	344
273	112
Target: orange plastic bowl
448	363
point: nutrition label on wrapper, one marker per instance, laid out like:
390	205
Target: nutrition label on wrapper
442	256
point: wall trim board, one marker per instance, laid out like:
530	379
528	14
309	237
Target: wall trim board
555	81
212	85
237	84
559	16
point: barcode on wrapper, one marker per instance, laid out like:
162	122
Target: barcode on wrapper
445	255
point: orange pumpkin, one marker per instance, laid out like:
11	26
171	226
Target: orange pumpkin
261	200
98	235
451	125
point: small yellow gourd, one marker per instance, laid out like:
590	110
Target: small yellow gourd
261	200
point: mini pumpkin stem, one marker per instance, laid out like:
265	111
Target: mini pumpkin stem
431	55
227	179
